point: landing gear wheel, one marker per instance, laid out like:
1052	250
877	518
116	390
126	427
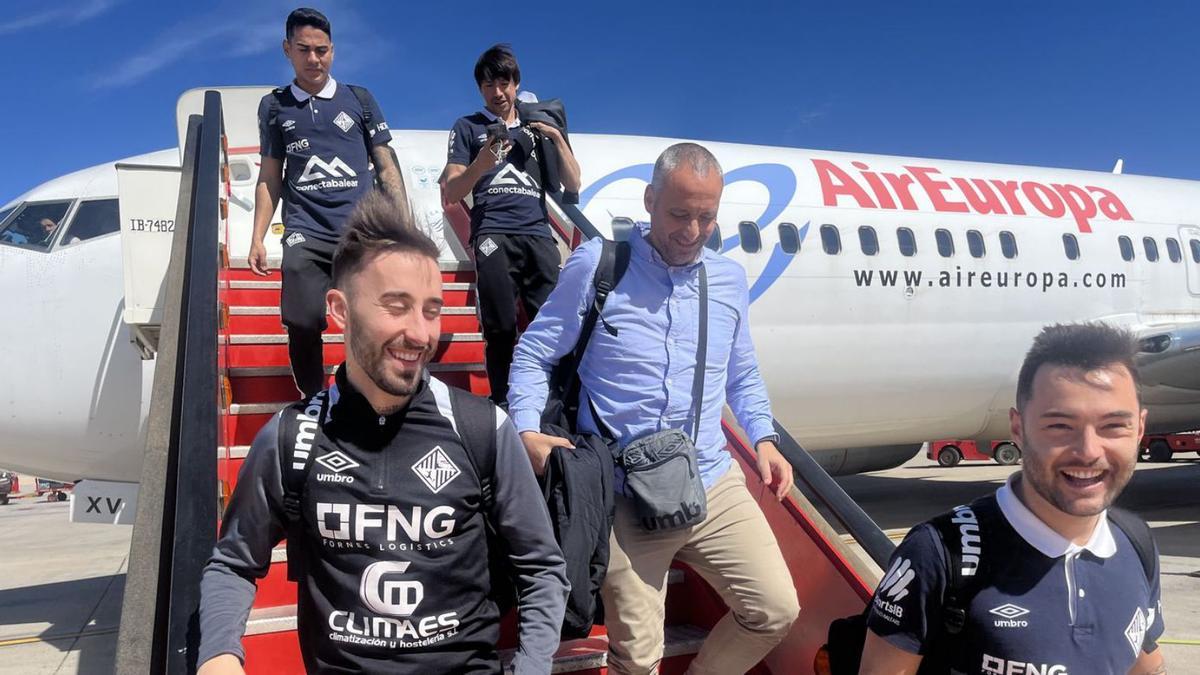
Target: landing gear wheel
3	500
1006	454
1159	451
949	456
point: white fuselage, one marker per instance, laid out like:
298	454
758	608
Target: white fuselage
849	362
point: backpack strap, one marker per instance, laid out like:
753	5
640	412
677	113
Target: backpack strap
297	426
1140	536
614	261
368	117
475	419
965	533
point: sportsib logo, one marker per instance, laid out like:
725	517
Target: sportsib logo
893	589
968	530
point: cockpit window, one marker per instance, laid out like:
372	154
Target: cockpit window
93	219
5	213
35	225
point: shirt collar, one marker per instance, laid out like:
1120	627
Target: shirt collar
326	92
1041	536
492	117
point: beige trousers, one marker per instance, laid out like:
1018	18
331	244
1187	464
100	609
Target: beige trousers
734	550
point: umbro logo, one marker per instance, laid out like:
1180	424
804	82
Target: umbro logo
319	169
288	125
344	122
336	461
435	469
1009	613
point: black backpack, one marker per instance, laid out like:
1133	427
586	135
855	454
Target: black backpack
848	634
475	419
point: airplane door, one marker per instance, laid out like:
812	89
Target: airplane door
1189	238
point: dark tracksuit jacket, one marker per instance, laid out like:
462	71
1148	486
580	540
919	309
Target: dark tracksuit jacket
395	552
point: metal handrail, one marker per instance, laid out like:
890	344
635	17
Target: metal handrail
808	471
177	505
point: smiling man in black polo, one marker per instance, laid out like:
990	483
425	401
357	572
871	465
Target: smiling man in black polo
1043	576
318	139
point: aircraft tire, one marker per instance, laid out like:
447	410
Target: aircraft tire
1006	454
1159	451
949	456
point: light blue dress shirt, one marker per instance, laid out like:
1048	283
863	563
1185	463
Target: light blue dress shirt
640	380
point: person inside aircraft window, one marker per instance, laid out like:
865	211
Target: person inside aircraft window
1151	247
1173	251
653	394
1008	244
493	158
409	449
975	244
868	240
789	238
750	236
1194	244
1126	248
831	240
906	241
1071	246
1043	575
945	242
319	141
35	224
93	219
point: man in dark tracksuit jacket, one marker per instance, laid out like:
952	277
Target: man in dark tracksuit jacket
394	549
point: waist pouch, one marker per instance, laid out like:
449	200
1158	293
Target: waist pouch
662	479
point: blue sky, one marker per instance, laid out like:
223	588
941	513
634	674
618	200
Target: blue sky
1058	84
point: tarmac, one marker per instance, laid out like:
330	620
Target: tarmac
61	583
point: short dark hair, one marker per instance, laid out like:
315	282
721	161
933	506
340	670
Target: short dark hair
1087	346
379	224
306	16
497	63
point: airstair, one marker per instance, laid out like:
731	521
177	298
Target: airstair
223	370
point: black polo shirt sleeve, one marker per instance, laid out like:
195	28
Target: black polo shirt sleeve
522	520
460	143
377	131
907	607
253	524
270	140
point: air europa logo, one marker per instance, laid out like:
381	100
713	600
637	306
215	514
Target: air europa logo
952	194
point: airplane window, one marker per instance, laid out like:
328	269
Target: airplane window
35	225
5	212
1008	244
945	242
868	240
714	239
93	219
1151	247
1173	250
831	241
1126	248
750	236
789	238
907	242
1195	246
975	243
239	171
1071	246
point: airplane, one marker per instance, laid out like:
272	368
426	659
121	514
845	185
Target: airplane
893	298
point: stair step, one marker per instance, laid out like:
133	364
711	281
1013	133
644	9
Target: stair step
264	385
265	292
260	350
264	319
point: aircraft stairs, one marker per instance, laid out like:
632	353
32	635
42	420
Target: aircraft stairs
251	381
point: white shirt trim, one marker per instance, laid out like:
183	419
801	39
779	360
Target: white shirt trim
1040	536
493	117
326	92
